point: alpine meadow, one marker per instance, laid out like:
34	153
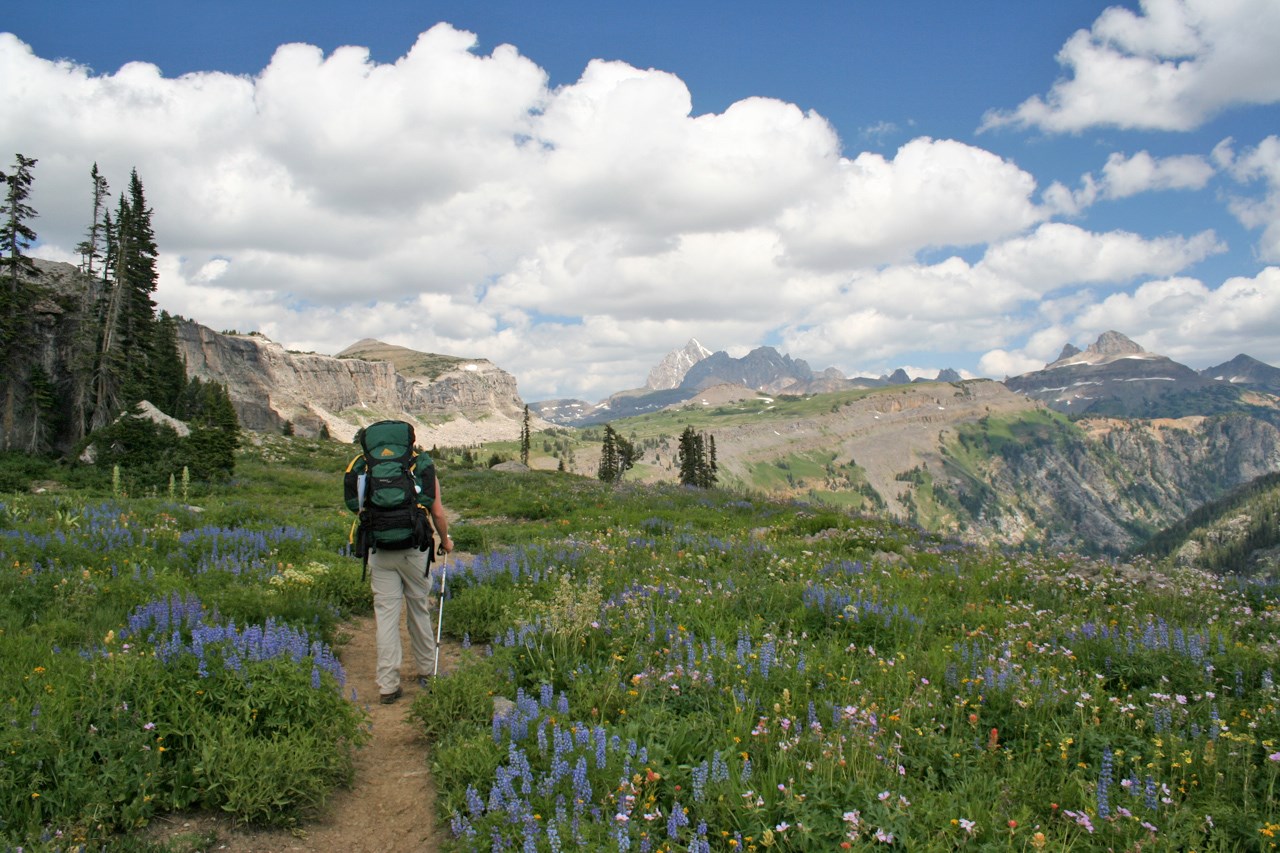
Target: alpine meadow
684	669
366	485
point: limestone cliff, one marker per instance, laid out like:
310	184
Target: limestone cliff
462	402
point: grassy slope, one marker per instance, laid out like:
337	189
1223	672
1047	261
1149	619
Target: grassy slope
1004	691
764	669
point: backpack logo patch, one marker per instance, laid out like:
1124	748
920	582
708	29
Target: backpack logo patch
387	451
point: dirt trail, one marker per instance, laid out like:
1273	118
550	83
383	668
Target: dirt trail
391	803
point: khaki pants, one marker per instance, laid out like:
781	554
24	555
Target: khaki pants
400	576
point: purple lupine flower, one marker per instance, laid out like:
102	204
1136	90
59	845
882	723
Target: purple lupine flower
1104	785
581	785
1150	798
700	774
676	820
719	768
475	805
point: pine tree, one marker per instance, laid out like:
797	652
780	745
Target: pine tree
688	453
524	438
91	249
608	469
42	407
215	429
78	385
137	274
626	454
169	372
617	456
128	361
16	289
697	463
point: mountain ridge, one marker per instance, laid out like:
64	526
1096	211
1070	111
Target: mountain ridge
449	400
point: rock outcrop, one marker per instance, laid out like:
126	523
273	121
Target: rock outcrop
463	402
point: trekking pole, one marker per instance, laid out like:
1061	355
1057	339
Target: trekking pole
444	578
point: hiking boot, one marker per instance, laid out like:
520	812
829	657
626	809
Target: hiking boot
389	698
424	681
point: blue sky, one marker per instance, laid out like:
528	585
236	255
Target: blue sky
574	189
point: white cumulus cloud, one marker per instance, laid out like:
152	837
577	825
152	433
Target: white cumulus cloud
452	201
1170	66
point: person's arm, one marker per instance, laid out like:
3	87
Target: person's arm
441	523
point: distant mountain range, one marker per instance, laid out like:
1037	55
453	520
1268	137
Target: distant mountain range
1113	376
1116	377
690	371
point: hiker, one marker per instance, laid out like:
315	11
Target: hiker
403	575
393	486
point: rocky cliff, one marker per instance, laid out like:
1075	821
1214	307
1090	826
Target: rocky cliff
457	402
1103	485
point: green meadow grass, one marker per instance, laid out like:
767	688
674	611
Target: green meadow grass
687	670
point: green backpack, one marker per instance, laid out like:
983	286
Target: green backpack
390	486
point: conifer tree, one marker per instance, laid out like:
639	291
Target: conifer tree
169	373
42	407
91	249
697	464
524	438
78	385
16	289
127	356
617	456
137	271
608	469
627	454
215	429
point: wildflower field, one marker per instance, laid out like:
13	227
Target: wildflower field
170	653
686	669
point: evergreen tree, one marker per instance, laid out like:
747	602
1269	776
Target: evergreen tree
169	372
627	454
617	456
697	463
137	274
524	437
215	429
91	249
17	291
78	385
128	360
42	411
688	452
608	469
